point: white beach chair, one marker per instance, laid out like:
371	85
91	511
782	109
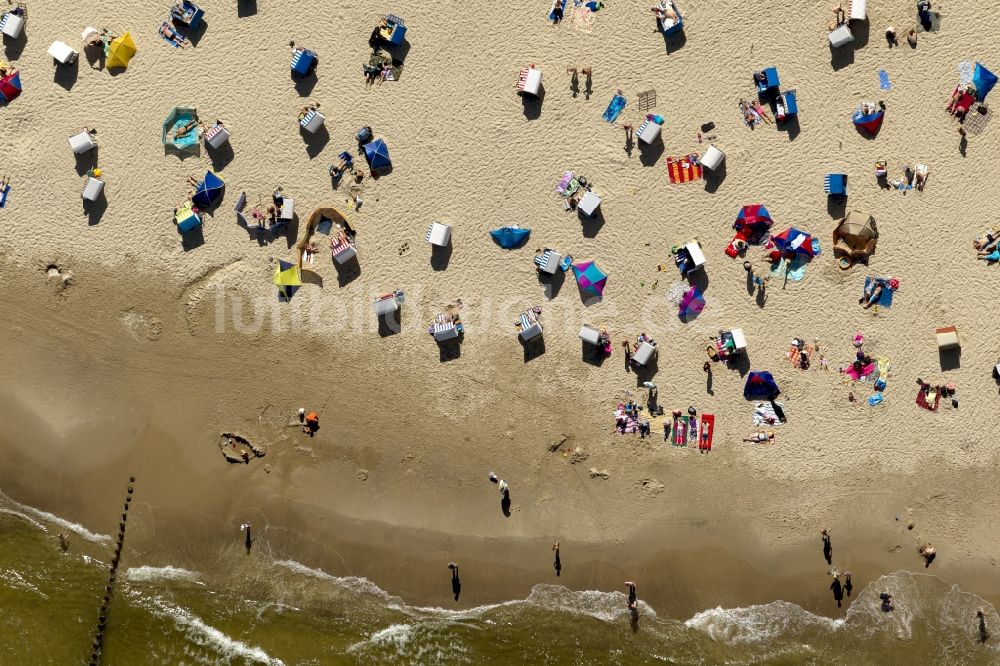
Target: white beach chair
529	81
438	234
841	36
549	262
216	137
739	339
62	53
93	188
12	25
82	142
445	331
386	306
649	131
697	256
947	338
287	209
713	158
590	335
859	10
644	354
589	203
312	121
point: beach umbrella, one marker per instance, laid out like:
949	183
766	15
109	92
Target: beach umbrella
120	51
510	237
10	86
377	154
754	221
288	279
870	122
857	232
209	191
590	278
794	241
760	386
984	80
691	305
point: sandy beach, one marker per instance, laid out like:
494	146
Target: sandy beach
128	353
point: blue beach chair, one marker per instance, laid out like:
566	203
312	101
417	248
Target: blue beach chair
303	62
767	80
835	184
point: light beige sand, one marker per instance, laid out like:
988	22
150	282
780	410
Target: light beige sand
138	365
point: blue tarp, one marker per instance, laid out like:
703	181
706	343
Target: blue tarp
984	80
614	108
760	386
510	237
377	154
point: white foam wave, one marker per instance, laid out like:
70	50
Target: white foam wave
47	517
394	636
26	517
16	581
208	636
148	574
605	606
758	623
356	584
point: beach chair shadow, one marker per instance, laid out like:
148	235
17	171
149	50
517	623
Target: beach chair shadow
221	156
193	239
390	324
65	75
94	54
951	359
86	161
674	42
699	278
397	52
552	283
532	105
245	8
94	210
348	272
790	126
836	207
714	178
592	354
742	363
194	36
440	256
533	348
449	350
841	56
304	84
315	141
649	154
645	373
861	31
591	224
14	47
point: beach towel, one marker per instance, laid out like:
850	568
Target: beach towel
174	40
3	196
614	108
965	72
865	371
764	414
795	356
680	430
875	399
565	182
885	298
794	270
324	226
685	169
583	19
562	6
883	80
922	399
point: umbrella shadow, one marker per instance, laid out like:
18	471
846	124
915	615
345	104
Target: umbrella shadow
310	276
588	298
182	153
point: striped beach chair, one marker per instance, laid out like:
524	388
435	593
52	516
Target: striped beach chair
529	80
835	184
312	121
548	261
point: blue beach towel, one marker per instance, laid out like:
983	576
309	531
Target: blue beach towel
875	399
552	13
3	196
883	80
617	104
885	298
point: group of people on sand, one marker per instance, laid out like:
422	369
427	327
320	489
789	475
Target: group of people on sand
753	112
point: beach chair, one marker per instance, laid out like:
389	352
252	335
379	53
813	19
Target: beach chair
343	252
767	80
739	340
548	262
649	131
947	338
216	137
835	184
589	203
671	27
11	25
287	212
90	36
644	354
590	335
393	30
186	219
920	180
859	10
82	142
438	234
187	13
529	81
62	53
690	258
303	62
388	304
93	189
312	121
713	158
445	329
531	327
840	37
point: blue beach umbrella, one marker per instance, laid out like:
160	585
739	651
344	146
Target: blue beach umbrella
209	191
377	154
510	237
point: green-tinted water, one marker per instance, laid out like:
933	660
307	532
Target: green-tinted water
282	612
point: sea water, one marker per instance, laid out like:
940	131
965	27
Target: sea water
286	612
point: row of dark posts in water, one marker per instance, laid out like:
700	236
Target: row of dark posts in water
102	617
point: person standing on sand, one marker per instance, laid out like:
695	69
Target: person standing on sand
838	589
633	601
827	546
558	563
929	553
